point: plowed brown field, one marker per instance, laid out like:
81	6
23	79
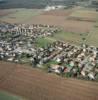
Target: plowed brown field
35	84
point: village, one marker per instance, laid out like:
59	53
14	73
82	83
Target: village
18	45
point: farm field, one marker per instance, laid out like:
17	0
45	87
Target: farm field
55	17
74	38
8	96
92	37
5	12
63	18
89	15
18	15
73	33
34	84
67	25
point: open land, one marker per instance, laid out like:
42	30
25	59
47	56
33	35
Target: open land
18	15
4	13
33	84
74	20
60	18
92	38
7	96
56	17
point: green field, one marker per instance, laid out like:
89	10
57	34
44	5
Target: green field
74	38
41	42
90	38
8	96
20	15
93	36
25	15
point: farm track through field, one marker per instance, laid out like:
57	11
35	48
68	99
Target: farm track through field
35	84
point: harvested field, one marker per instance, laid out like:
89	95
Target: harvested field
34	84
61	18
84	15
60	12
19	15
5	12
90	14
61	21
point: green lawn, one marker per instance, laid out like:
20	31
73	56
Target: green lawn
8	96
41	42
93	38
74	38
93	35
77	38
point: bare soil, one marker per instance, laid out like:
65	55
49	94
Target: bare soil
35	84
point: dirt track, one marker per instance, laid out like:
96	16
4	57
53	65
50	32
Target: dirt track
34	84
